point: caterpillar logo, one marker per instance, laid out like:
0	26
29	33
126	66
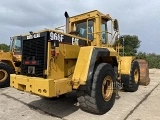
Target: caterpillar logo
34	35
75	41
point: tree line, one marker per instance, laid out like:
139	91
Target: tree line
131	44
4	47
152	59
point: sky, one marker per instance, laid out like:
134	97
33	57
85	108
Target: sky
136	17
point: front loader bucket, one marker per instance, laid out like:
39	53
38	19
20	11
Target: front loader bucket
144	72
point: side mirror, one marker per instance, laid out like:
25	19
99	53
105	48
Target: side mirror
117	37
116	26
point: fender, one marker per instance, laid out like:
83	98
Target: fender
86	62
125	65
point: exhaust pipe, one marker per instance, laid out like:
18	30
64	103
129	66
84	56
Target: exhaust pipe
67	22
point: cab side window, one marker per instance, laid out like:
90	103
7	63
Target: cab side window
103	33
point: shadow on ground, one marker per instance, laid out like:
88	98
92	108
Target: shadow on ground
58	107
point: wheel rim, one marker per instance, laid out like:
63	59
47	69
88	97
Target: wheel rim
3	75
107	88
136	76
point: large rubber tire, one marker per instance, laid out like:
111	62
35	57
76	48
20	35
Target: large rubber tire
131	82
95	102
5	71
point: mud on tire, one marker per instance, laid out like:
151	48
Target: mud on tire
103	93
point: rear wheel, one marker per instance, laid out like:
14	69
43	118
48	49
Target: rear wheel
5	72
102	95
131	84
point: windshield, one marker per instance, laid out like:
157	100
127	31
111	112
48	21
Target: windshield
15	44
82	29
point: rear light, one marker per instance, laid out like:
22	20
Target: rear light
26	62
53	52
34	62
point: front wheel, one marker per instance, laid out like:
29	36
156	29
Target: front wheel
5	71
102	95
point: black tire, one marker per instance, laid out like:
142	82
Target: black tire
131	82
95	102
5	71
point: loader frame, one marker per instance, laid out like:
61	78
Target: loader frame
85	58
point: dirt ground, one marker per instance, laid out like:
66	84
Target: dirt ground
140	105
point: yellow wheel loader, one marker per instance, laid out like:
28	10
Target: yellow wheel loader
10	61
83	58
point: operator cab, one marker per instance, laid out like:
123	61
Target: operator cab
15	45
98	29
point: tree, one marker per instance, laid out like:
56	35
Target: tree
152	59
141	55
131	44
4	47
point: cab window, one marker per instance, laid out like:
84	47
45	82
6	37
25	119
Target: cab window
82	29
103	33
15	44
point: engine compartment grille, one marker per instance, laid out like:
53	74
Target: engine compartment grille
34	50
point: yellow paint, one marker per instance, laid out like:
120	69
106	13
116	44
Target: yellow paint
82	66
125	65
9	58
40	86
